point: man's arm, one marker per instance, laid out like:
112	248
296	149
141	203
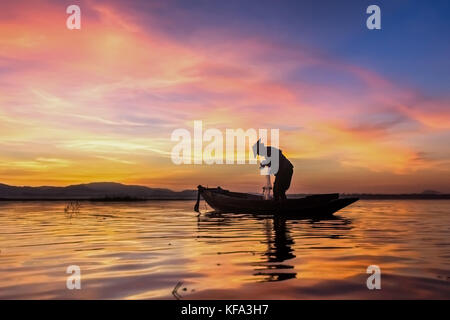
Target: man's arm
265	163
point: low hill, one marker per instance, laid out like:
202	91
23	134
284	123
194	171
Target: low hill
98	190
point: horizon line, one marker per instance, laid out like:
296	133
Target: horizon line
424	192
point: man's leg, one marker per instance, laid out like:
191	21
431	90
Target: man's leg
283	194
276	188
285	183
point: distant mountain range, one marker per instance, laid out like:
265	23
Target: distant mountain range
92	191
111	191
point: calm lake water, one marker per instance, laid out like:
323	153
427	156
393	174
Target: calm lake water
143	250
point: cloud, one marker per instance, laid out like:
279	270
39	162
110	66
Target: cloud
113	92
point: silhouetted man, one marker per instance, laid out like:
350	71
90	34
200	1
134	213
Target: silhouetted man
283	171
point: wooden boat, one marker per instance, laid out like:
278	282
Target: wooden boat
235	202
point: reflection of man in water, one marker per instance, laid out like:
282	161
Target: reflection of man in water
283	241
279	250
283	171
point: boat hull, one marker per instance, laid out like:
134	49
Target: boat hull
234	202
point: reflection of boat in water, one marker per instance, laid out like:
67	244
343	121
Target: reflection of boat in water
274	261
235	202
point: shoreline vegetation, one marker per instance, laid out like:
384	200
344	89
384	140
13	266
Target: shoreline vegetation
116	192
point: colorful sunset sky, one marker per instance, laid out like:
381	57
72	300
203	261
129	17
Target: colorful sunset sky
358	110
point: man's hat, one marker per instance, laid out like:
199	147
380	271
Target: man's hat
256	148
